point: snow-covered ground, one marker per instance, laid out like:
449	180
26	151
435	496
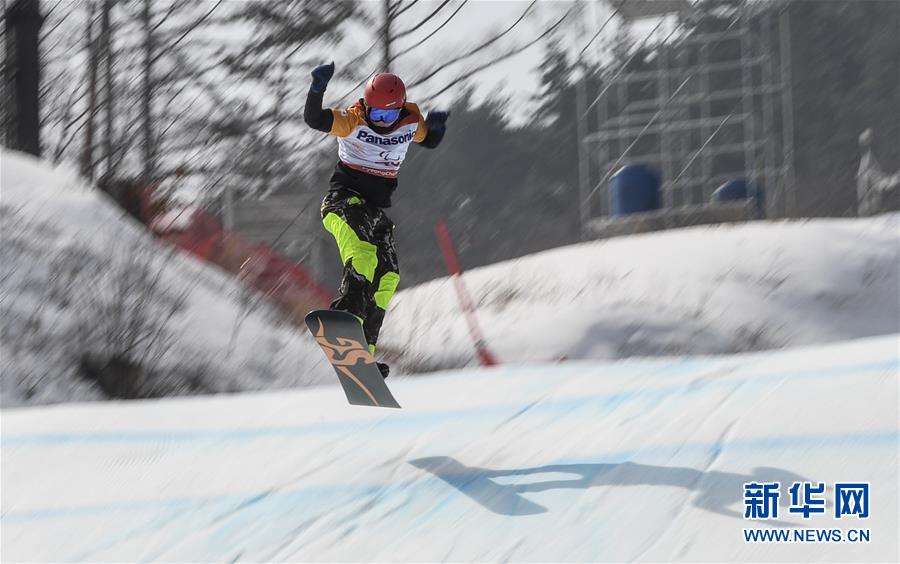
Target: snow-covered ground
594	458
78	277
704	290
581	461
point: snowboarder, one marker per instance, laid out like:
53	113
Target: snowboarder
373	136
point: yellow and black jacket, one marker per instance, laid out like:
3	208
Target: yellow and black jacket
369	156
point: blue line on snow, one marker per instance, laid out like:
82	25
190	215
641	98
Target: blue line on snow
854	440
404	421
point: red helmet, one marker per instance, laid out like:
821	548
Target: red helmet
385	91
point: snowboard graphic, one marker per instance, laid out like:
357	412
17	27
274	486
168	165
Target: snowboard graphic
341	337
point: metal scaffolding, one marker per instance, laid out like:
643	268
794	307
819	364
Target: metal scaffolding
702	107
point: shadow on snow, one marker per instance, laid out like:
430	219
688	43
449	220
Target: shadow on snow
717	492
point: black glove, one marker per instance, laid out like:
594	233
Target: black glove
321	75
437	122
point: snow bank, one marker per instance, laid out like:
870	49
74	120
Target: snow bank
80	278
583	461
704	290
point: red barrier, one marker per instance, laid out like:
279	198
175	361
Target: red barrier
287	284
465	300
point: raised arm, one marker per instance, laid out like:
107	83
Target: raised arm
313	113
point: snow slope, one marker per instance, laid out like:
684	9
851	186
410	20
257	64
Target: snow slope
641	460
66	253
705	290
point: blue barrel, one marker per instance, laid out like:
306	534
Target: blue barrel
740	189
634	189
731	191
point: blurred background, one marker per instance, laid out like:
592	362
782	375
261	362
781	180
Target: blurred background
204	99
571	122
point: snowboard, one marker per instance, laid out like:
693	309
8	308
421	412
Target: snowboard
341	337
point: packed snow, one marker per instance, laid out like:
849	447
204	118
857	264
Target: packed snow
581	461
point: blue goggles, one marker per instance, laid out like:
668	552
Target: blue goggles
384	116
